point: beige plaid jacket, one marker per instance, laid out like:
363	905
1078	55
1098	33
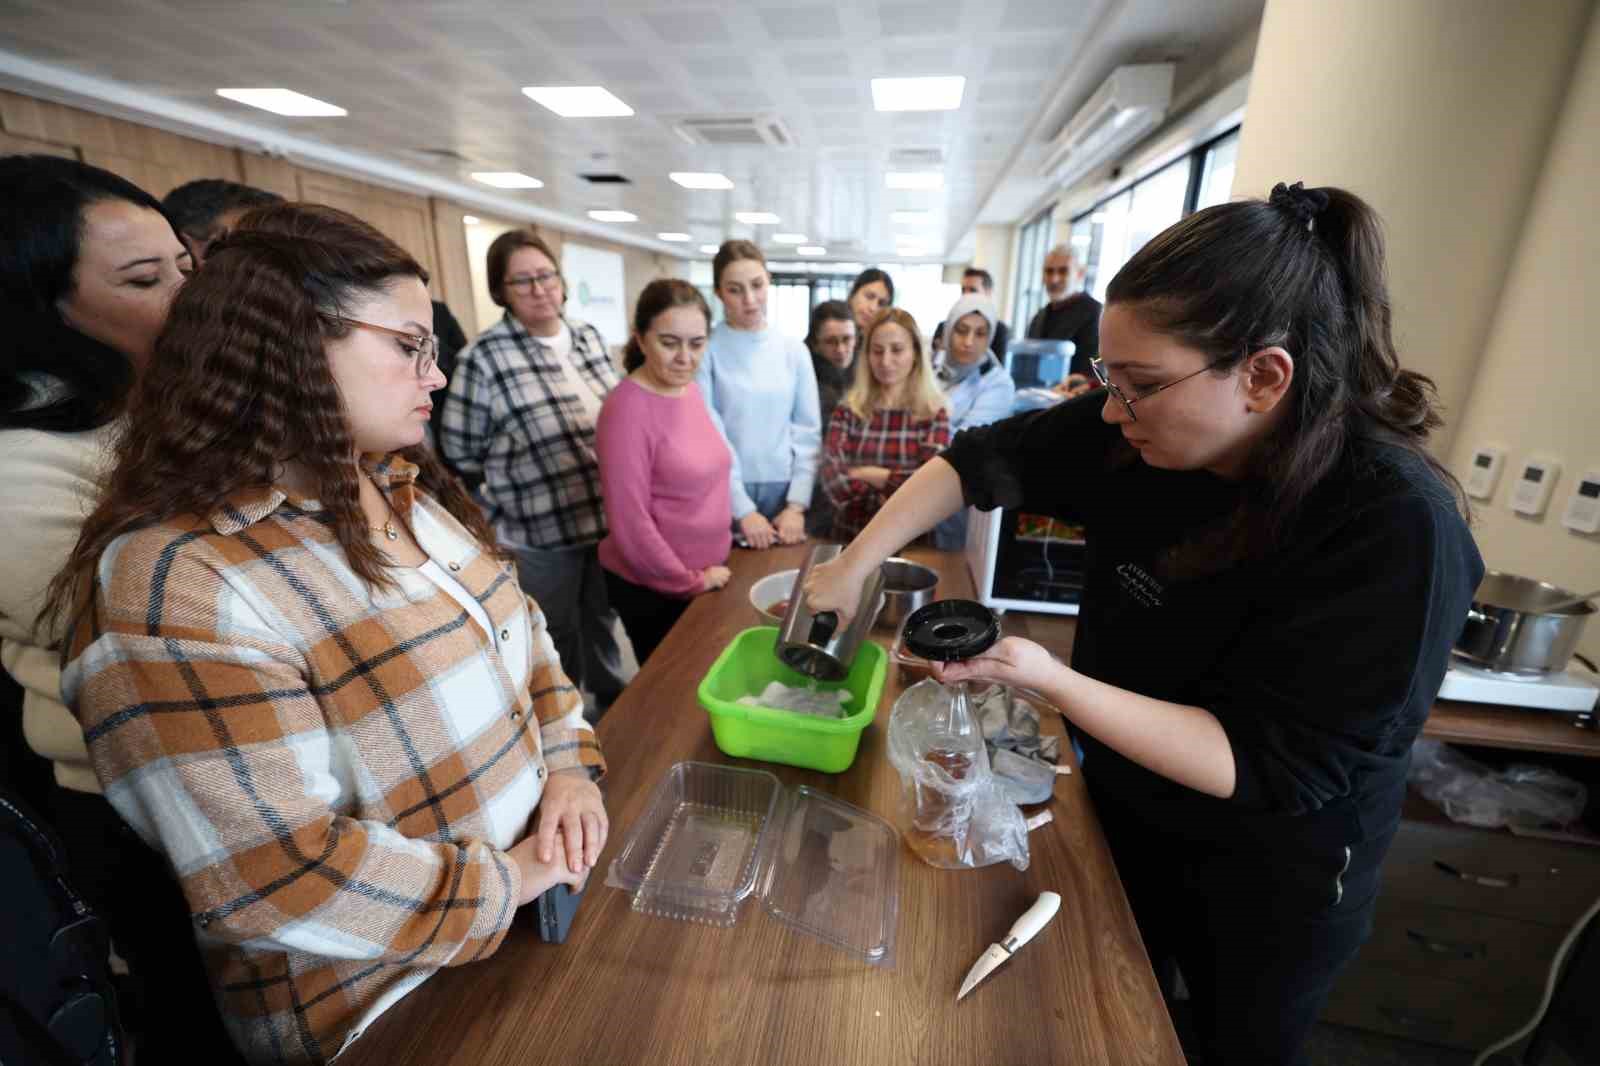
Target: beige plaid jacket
333	773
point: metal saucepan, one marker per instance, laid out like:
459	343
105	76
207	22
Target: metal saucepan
1510	629
906	586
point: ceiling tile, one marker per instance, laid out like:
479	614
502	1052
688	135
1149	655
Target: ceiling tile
832	64
728	67
810	23
832	96
587	31
690	26
904	19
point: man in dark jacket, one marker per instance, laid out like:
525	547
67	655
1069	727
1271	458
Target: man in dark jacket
1071	314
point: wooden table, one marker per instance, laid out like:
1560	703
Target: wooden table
629	988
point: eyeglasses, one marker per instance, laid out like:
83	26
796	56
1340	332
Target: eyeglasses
524	283
424	350
1127	401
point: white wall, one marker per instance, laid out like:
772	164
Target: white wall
1538	385
1438	113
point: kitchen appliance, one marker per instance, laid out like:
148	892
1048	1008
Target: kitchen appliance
1512	628
816	645
1034	919
1568	690
1025	562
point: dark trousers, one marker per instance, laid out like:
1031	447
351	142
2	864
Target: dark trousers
567	585
646	614
1259	937
166	1002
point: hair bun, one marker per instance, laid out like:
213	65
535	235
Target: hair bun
1303	203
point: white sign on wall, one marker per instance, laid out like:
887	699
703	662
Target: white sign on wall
595	290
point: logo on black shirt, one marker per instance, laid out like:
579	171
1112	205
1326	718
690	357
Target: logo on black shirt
1139	585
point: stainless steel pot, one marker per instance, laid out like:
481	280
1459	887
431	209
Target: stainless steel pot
1507	630
906	586
816	645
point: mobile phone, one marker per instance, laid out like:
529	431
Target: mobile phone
556	906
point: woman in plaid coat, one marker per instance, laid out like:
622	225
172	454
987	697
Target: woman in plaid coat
305	673
893	419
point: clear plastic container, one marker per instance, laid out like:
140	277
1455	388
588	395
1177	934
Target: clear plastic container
713	835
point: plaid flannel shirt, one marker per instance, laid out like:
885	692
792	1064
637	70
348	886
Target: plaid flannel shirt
334	773
897	440
509	418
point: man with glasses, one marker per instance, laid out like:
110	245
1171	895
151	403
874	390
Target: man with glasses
1069	315
519	415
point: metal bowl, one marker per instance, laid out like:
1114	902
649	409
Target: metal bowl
906	586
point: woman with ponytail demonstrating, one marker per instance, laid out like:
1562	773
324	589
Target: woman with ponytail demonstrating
665	470
304	670
1277	571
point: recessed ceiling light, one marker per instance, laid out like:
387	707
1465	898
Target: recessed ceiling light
693	179
910	217
471	220
918	94
914	179
578	101
507	179
709	249
811	249
756	218
789	238
675	237
284	102
612	215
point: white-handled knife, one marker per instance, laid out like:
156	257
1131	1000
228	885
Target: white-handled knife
1025	929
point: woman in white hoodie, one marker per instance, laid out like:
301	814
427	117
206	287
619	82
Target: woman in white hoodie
88	266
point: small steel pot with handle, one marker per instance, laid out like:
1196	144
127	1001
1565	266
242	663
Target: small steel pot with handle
1506	629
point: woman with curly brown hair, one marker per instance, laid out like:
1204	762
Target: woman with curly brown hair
305	673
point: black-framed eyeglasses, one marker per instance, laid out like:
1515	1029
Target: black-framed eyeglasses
424	349
1127	401
524	283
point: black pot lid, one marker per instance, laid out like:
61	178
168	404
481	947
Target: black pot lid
951	630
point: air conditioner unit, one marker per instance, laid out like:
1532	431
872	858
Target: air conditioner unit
1130	104
733	131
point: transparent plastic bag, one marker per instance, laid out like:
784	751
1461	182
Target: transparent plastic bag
1526	796
955	813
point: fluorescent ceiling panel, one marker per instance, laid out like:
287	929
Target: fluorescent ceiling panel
578	101
507	179
918	94
284	102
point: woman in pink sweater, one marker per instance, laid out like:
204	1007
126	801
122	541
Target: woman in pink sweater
664	470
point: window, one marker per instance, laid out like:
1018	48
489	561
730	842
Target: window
1033	243
1216	173
1108	234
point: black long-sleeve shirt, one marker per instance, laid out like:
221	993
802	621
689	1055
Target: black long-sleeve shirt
1320	659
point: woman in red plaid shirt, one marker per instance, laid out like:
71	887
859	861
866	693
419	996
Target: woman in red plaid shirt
893	419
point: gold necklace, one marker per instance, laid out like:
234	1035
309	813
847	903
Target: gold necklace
387	529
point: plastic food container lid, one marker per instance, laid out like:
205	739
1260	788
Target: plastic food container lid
711	835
